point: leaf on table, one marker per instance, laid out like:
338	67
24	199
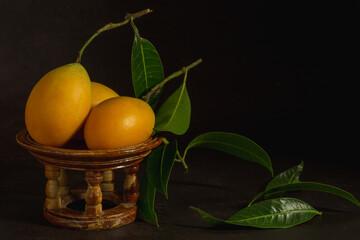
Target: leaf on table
289	181
313	186
289	176
272	213
146	68
146	202
174	114
234	144
159	165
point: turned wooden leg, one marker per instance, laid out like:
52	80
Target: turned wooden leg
93	195
107	185
52	188
131	185
63	182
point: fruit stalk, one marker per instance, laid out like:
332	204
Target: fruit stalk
157	87
109	26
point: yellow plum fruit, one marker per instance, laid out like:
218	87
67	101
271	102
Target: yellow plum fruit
58	105
100	93
119	122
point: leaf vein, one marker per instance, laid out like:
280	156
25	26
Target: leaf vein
176	106
272	215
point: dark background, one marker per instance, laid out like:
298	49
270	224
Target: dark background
274	72
282	74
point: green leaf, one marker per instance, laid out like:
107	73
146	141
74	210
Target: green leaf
289	176
146	68
273	213
159	165
146	201
234	144
289	181
174	114
313	186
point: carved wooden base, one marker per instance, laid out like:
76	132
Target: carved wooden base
58	212
120	215
98	166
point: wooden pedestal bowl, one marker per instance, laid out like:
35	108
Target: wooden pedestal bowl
98	166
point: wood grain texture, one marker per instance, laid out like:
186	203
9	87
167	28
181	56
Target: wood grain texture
107	184
131	185
52	189
118	216
93	195
74	156
63	183
98	165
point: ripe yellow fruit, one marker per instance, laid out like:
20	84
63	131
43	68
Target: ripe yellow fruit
100	93
58	105
119	122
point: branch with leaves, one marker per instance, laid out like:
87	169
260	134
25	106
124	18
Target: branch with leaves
277	210
109	26
156	89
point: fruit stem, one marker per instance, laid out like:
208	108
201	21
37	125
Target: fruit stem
134	27
128	17
158	86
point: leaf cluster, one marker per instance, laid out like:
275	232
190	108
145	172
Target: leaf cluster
276	210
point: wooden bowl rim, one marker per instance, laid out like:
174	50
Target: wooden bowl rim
24	139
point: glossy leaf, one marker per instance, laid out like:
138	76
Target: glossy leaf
313	186
234	144
273	213
159	165
146	202
174	114
289	176
146	68
289	181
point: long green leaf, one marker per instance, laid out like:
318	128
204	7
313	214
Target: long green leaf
234	144
289	176
159	165
146	68
273	213
174	114
313	186
146	202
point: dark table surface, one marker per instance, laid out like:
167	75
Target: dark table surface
216	182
